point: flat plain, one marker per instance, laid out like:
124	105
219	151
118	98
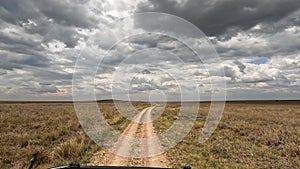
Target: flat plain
249	135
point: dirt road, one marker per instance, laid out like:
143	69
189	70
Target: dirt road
126	146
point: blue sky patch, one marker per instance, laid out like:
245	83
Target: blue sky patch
259	60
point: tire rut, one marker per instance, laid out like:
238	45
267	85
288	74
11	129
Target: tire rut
149	145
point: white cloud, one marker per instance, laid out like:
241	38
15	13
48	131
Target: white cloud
39	47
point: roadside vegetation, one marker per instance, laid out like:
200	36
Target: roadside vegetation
250	135
50	129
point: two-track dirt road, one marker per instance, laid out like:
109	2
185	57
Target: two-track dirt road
127	146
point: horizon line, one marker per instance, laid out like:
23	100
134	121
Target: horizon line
173	101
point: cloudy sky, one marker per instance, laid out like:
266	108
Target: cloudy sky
257	41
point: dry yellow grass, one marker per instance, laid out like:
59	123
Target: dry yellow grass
51	129
45	128
250	135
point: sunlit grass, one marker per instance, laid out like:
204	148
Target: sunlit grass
52	130
248	136
260	135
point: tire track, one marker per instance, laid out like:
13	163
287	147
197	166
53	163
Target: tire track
151	144
126	145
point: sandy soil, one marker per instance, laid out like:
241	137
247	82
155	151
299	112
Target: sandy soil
125	145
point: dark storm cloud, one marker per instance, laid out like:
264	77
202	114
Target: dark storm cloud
216	17
31	33
150	48
10	61
242	28
17	40
148	39
65	12
51	75
40	41
62	12
52	19
13	11
68	35
17	51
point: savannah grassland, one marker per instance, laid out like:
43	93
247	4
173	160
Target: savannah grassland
250	135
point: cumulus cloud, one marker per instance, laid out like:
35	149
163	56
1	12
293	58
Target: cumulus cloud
63	12
251	73
41	40
215	17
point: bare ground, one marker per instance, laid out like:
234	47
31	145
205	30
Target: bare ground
126	146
